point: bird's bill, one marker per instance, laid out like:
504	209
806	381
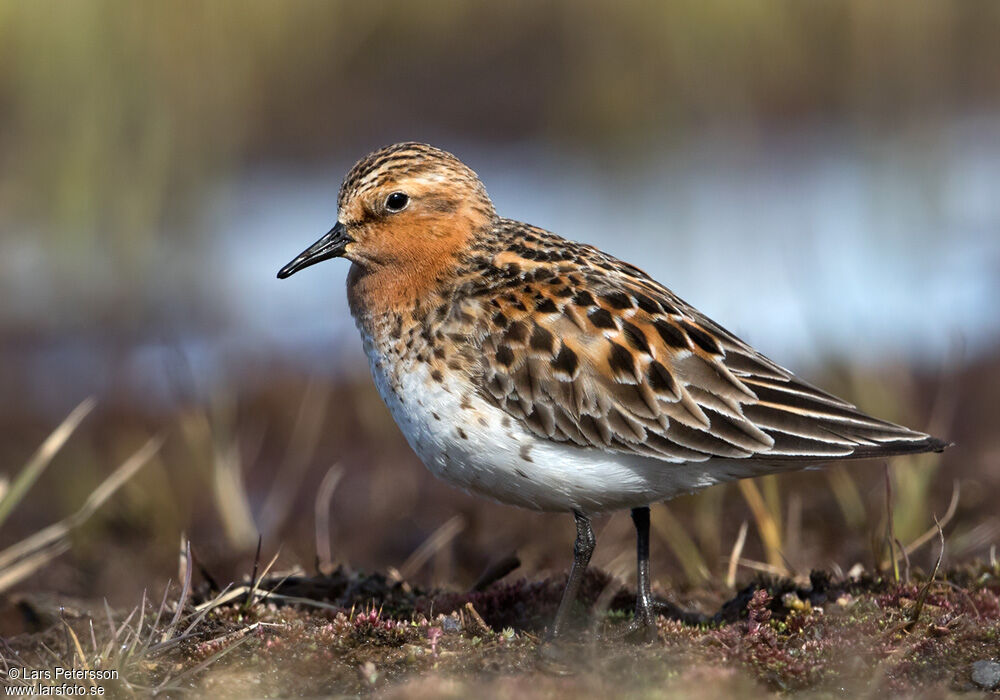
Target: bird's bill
332	245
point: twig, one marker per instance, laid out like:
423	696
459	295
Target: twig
761	566
185	591
480	623
734	556
906	562
256	564
949	514
767	526
890	526
922	596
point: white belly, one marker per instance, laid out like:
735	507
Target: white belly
472	444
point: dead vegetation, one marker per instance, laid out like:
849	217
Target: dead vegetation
349	632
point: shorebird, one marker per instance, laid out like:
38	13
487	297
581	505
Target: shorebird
547	374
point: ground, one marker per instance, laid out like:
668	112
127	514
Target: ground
347	632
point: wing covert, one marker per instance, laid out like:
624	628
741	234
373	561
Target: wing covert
590	350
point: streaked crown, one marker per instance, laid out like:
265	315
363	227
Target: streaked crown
412	161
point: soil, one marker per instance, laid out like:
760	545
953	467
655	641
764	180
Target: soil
349	632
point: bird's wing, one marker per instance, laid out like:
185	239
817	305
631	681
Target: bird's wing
585	349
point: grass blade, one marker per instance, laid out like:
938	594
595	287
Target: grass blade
767	526
15	492
46	537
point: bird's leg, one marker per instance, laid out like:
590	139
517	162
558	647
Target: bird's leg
644	622
582	549
648	608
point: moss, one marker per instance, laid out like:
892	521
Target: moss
823	639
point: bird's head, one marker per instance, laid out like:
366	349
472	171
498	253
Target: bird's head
405	208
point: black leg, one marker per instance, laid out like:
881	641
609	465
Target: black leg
645	618
582	549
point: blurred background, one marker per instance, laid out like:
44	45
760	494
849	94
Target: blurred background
821	178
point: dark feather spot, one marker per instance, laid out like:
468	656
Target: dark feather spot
635	337
660	379
505	356
461	433
671	334
647	304
542	340
621	361
702	339
546	306
617	300
564	292
601	318
500	320
525	453
436	375
517	333
566	362
584	298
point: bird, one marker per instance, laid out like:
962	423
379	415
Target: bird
547	374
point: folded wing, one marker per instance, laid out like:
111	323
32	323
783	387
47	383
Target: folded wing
590	350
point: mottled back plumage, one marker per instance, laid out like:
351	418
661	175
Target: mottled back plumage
585	349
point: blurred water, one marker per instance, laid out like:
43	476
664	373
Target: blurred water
809	246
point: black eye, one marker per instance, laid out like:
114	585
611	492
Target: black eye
396	201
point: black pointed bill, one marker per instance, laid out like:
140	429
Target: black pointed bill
332	245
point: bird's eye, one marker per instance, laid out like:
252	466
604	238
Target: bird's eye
396	201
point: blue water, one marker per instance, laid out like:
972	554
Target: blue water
811	246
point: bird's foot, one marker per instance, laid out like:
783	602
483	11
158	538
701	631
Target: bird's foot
642	628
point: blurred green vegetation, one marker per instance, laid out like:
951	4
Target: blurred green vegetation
114	112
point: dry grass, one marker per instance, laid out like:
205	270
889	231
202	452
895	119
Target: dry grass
24	558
